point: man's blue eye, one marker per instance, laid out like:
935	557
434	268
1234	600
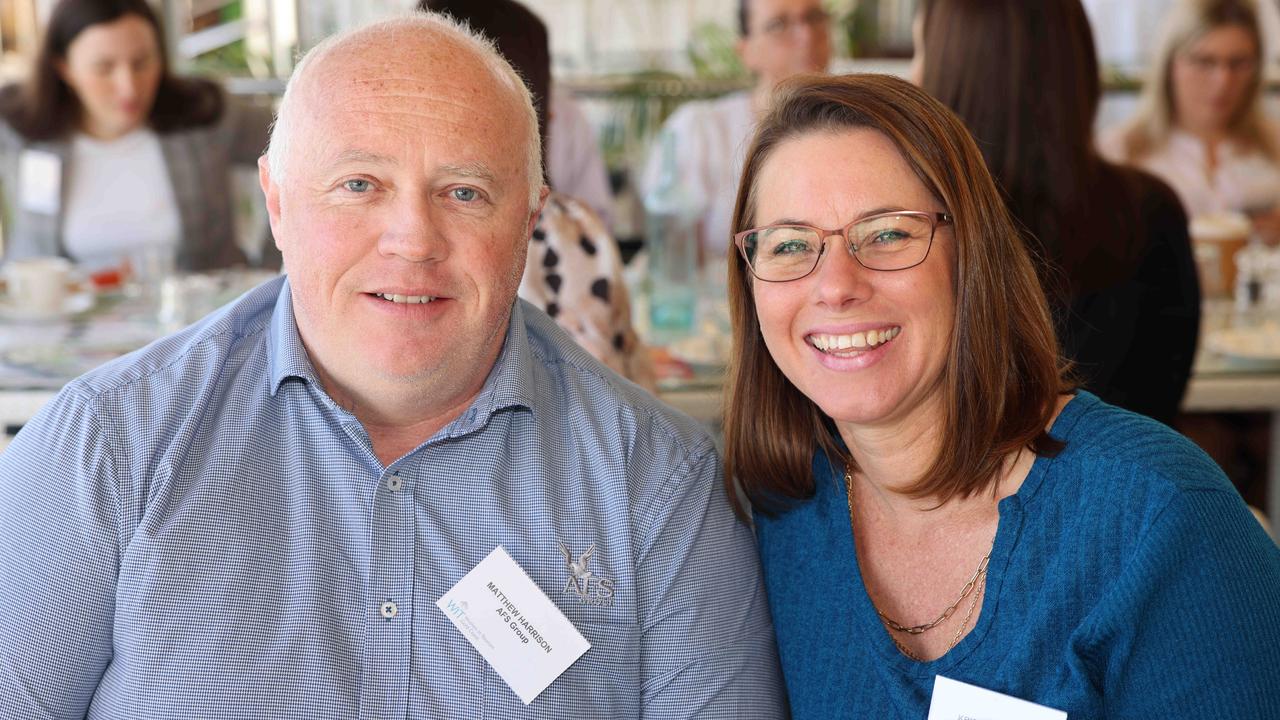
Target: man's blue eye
357	186
465	194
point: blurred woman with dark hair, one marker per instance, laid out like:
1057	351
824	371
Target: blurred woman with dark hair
1116	257
932	497
106	155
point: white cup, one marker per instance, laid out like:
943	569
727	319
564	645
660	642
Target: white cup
37	286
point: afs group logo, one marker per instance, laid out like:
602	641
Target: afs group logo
589	588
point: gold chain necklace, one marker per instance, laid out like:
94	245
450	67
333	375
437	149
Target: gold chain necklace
975	583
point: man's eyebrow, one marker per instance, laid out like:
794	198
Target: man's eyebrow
348	156
472	170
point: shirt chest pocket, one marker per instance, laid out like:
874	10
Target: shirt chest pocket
604	682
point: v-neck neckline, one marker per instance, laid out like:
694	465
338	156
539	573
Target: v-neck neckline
866	621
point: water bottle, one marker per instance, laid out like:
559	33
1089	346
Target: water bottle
1252	263
671	210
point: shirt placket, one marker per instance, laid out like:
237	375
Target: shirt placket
389	610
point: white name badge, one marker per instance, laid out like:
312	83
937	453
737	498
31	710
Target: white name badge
954	700
40	180
513	624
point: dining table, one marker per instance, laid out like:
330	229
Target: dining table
1237	367
40	353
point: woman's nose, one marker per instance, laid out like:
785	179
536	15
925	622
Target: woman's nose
841	279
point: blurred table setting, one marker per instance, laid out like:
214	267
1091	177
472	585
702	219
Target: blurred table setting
58	321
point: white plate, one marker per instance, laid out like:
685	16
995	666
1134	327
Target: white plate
1248	346
71	305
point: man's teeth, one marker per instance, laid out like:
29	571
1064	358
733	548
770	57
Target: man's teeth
406	299
870	338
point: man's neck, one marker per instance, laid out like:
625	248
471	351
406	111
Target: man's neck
400	417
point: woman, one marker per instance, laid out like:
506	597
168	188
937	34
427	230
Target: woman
1119	267
107	158
1200	124
931	497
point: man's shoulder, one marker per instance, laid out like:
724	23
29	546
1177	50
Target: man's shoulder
710	113
575	385
202	353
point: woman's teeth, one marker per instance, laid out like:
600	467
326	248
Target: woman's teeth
870	338
406	299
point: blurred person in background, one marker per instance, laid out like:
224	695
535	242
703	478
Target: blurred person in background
1200	124
1115	255
777	39
574	268
107	156
933	497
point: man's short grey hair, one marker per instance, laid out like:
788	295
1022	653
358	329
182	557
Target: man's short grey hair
416	22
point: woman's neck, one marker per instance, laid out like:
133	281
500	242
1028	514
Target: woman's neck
1211	136
104	132
890	460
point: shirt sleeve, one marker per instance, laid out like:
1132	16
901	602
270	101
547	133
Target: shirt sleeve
707	645
1194	620
59	561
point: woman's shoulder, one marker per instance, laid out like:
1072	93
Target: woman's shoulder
187	103
1108	446
1111	143
1153	198
11	105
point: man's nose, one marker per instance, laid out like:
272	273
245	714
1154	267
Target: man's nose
414	231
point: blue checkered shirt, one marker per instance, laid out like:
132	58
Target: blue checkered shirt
198	531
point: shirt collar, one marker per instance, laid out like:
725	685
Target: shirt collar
509	383
286	357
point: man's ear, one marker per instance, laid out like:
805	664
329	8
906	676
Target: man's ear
272	193
536	211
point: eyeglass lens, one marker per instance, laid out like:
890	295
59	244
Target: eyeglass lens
887	242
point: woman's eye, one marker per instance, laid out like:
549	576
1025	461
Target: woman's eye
790	247
464	194
357	186
887	237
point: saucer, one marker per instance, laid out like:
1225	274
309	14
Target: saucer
71	305
1248	347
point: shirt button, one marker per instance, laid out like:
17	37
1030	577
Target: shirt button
394	483
389	609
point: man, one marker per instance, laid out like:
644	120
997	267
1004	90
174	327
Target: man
257	516
777	39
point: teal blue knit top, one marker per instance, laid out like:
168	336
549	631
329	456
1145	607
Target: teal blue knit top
1128	580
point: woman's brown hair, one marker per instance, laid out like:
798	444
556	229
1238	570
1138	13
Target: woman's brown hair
1003	373
46	108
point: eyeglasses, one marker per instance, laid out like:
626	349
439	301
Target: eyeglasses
885	241
1206	64
816	18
